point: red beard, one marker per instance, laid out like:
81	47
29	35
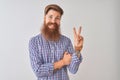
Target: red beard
51	34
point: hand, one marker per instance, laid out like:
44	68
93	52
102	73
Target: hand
67	58
78	39
64	61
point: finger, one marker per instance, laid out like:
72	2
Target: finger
70	54
81	41
79	31
66	53
74	31
80	37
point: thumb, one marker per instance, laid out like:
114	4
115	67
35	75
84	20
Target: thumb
66	53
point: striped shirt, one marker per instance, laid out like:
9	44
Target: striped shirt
44	53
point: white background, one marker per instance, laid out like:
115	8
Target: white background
21	19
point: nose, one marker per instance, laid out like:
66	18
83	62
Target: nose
53	20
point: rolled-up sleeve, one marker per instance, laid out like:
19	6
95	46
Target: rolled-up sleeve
38	66
75	62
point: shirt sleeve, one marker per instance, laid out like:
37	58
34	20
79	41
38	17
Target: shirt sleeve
75	62
39	68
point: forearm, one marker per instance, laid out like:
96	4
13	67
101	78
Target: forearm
43	70
75	62
58	65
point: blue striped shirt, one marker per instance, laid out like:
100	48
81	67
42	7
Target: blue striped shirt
44	53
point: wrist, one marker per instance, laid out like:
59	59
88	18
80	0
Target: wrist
78	49
78	53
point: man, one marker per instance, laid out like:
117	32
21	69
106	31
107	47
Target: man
51	53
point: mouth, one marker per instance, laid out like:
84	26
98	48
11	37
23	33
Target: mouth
52	26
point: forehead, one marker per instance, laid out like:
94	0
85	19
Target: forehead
53	13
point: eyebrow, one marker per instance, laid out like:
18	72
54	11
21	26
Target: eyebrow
55	16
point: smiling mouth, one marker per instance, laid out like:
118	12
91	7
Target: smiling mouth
52	26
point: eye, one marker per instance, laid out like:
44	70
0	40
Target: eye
50	16
58	18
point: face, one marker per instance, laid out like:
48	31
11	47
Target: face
51	27
52	17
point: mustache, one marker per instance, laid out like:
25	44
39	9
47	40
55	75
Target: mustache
50	23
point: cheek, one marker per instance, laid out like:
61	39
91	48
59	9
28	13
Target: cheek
46	21
58	22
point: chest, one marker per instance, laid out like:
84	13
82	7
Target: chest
52	52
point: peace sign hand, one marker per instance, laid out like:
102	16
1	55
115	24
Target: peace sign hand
78	39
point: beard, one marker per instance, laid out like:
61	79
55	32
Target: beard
51	34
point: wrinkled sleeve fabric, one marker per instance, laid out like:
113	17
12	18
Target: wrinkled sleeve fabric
38	66
75	62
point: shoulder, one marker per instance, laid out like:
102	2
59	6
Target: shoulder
64	37
35	38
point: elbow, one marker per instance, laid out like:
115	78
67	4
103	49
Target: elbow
73	71
42	73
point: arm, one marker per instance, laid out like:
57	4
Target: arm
58	65
76	60
40	69
76	57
